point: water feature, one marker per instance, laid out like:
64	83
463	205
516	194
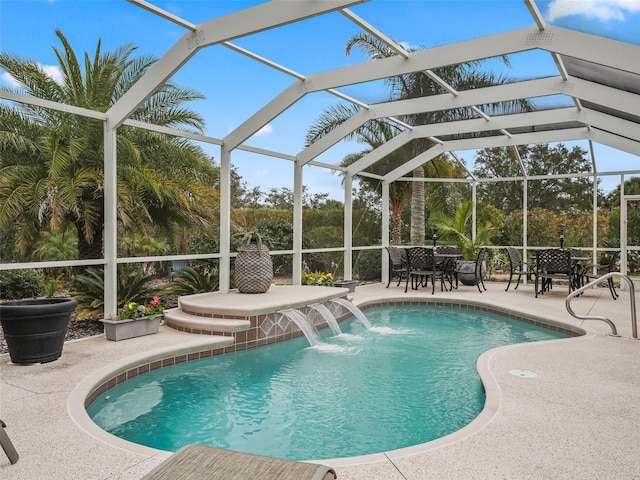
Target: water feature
328	317
304	324
354	310
410	380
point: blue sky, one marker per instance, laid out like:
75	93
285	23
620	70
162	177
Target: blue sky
236	86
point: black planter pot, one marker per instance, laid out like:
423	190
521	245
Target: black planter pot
35	329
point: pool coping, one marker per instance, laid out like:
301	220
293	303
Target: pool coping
94	384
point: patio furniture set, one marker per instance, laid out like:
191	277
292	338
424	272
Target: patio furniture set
418	265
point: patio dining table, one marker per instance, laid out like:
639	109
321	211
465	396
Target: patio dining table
443	266
448	263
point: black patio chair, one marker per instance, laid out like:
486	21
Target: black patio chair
422	266
397	264
587	275
516	267
448	264
477	271
7	446
553	264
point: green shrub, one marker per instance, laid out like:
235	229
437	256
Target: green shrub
190	280
280	235
369	265
133	286
16	284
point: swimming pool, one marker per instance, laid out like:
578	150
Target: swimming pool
408	380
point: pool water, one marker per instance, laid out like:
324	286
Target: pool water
410	379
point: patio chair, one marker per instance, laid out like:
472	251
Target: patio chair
199	462
397	265
475	277
7	446
448	264
422	266
587	275
516	267
553	264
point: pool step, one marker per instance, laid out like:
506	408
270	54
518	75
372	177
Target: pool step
180	320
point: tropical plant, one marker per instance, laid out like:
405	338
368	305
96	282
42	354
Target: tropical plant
190	280
52	285
244	238
52	162
458	230
88	290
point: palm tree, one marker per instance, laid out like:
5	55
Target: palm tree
374	134
458	230
418	84
51	164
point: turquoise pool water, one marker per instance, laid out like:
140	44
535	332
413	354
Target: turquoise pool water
410	379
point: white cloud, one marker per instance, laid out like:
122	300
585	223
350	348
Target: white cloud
9	80
266	130
603	10
52	71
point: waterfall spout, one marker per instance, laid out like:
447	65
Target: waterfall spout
303	323
328	317
354	310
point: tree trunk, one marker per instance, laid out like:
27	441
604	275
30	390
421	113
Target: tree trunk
396	230
417	208
89	249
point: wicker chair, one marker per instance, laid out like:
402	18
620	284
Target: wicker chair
516	267
397	265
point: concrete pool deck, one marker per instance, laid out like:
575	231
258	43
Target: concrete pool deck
579	418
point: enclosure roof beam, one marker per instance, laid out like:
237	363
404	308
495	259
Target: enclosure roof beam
489	142
238	24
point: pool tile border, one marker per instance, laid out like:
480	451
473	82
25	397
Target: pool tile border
291	333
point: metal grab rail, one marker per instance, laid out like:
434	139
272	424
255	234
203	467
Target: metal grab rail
632	294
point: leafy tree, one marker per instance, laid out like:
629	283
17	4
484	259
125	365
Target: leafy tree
563	195
282	198
242	195
51	162
631	187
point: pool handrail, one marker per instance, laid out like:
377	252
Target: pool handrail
614	331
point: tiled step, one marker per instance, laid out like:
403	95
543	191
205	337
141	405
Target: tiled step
180	320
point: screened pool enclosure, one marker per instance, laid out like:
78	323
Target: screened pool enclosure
587	93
